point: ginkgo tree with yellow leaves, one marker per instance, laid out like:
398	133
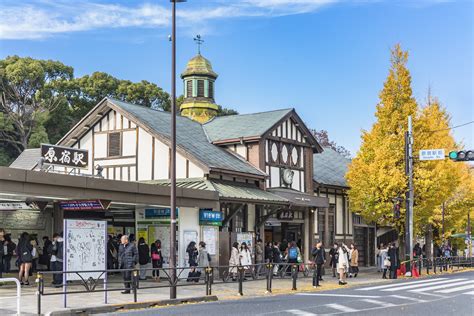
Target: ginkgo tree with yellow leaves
377	174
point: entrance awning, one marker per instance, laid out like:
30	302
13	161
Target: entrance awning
300	199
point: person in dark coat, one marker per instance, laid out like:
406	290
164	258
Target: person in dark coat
394	260
127	258
276	257
319	258
2	251
25	257
333	255
269	252
143	257
192	254
156	259
111	253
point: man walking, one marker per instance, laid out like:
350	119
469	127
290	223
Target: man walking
333	254
57	259
394	260
128	257
319	258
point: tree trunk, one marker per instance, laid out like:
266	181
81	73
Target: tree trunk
428	241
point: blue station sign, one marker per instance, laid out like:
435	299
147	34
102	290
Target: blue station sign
209	217
159	212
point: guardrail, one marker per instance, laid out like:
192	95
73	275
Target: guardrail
208	276
437	264
18	293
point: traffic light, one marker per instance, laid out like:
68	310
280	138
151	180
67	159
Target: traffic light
462	155
396	210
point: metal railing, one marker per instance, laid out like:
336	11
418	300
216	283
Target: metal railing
207	276
18	293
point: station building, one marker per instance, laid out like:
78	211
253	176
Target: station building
240	177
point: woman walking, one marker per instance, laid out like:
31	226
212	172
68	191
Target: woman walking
354	269
343	263
234	260
156	259
25	258
385	263
192	260
203	259
143	257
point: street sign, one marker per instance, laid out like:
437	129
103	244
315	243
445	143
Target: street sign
432	154
64	156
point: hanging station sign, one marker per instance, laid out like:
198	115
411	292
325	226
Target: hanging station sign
160	213
64	156
84	205
209	217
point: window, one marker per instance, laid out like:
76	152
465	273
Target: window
189	89
200	92
114	144
211	89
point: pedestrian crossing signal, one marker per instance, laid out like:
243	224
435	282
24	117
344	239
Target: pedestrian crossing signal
462	155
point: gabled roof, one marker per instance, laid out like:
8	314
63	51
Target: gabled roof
243	125
27	159
330	168
190	138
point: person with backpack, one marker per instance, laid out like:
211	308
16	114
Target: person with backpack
319	258
156	259
25	258
333	255
143	257
57	259
294	254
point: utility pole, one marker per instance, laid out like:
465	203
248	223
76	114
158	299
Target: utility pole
410	193
442	208
469	240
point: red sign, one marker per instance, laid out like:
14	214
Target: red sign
83	205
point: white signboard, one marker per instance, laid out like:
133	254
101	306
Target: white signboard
209	236
13	206
84	248
432	154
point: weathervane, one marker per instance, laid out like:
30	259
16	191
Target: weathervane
199	42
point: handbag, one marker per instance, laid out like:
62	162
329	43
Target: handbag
155	256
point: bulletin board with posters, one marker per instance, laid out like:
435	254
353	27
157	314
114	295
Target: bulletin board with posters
209	236
247	238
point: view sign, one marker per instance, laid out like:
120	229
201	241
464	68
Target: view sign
432	154
64	156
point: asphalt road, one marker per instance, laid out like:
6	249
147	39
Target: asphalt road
444	295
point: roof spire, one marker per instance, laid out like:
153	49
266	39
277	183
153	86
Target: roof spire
199	42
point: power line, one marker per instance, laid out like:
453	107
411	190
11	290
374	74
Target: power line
449	128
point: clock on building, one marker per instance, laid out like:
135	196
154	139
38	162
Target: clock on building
287	177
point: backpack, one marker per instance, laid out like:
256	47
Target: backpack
292	253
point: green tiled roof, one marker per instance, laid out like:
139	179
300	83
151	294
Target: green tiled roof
244	125
230	191
330	168
190	137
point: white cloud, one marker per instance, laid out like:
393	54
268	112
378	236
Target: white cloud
36	19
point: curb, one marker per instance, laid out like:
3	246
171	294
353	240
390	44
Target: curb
129	306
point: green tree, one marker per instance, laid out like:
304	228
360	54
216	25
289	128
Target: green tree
26	98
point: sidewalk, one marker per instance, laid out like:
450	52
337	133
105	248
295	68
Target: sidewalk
223	291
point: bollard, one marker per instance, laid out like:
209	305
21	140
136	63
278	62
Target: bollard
269	277
208	281
135	285
240	269
39	281
294	270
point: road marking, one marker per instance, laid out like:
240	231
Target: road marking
384	304
469	293
299	312
413	286
414	299
342	308
399	284
456	289
442	286
338	295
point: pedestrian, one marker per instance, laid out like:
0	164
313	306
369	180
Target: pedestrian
57	259
259	252
204	259
385	262
269	252
193	253
245	256
25	258
394	260
276	257
156	259
354	264
343	263
333	255
377	257
294	254
35	254
2	249
111	253
45	256
10	250
143	257
234	260
319	258
127	258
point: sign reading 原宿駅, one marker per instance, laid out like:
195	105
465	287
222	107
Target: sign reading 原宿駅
432	154
64	156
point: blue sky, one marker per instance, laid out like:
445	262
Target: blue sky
326	58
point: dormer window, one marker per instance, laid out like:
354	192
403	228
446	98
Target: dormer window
189	89
200	88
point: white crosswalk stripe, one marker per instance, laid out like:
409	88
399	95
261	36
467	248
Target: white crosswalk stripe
410	286
399	284
469	293
342	308
414	299
380	303
457	289
443	286
299	312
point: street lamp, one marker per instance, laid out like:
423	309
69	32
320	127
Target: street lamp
173	153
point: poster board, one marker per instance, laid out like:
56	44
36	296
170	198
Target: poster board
209	236
85	248
245	237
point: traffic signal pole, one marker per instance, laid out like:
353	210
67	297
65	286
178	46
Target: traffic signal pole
410	193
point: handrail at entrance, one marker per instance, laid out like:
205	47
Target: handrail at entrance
18	293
